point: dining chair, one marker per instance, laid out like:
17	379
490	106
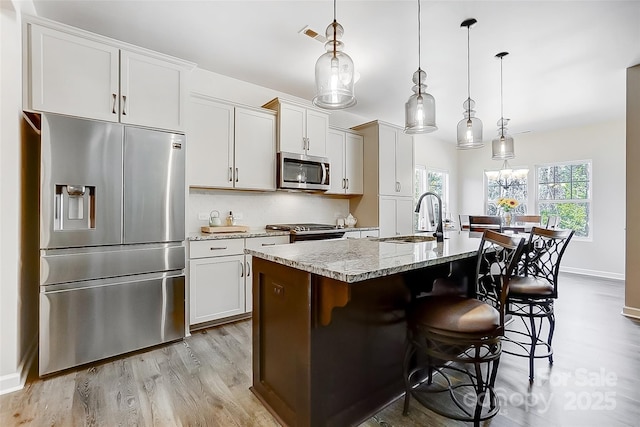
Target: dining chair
553	221
483	222
528	219
450	338
464	222
532	293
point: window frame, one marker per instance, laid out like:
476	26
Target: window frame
418	191
589	200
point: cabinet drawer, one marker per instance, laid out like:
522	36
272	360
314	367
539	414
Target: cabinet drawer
260	242
215	247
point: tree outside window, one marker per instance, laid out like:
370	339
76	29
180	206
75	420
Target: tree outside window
564	189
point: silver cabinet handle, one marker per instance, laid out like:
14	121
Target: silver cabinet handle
248	268
347	179
242	269
115	98
236	174
230	174
213	248
268	244
124	105
344	183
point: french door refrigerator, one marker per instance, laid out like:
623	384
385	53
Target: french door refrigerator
112	255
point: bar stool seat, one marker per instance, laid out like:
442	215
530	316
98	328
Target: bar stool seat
455	314
529	287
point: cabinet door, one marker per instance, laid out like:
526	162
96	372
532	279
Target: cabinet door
404	215
317	131
257	243
152	91
216	288
292	128
335	153
387	160
255	150
387	216
354	163
209	144
73	76
404	164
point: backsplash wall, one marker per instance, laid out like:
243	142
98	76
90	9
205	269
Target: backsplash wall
259	209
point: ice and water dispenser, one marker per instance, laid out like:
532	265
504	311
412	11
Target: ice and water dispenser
75	207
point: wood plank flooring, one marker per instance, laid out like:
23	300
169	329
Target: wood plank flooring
204	380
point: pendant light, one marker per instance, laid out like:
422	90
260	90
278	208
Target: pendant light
470	127
334	72
420	109
502	146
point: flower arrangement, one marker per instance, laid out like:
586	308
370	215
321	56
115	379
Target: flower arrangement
507	204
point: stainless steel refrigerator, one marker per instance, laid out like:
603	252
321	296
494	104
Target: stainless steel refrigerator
112	256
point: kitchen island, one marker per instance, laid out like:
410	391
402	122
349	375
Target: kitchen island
329	322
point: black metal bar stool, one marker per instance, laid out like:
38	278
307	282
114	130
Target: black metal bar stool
451	337
532	293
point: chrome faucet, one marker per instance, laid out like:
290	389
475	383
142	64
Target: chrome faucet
439	234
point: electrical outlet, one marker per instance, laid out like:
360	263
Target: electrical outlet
337	215
203	216
238	215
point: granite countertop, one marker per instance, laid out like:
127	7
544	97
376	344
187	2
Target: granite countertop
354	260
257	232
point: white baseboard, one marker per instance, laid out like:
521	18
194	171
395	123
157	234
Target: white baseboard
16	381
595	273
632	312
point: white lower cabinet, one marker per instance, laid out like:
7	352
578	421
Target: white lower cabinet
396	216
220	279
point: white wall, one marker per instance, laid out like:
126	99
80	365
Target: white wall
261	208
604	145
13	343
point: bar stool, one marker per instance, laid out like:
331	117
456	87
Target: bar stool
532	293
447	333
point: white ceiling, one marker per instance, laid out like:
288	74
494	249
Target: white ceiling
566	65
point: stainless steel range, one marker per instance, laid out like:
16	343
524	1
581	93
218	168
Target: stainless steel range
309	231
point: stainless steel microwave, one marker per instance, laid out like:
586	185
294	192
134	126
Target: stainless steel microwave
302	172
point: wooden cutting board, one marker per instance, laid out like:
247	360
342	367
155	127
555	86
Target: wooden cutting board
225	229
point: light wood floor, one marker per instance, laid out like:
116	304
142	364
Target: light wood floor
204	380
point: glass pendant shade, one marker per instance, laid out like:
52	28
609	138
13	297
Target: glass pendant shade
469	128
334	73
502	146
420	109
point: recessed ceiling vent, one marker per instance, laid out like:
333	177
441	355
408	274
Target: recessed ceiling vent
313	34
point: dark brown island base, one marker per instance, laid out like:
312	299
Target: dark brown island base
329	323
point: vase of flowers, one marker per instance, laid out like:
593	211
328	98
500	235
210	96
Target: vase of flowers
507	205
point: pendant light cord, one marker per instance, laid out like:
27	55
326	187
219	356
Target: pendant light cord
335	29
468	74
419	58
501	103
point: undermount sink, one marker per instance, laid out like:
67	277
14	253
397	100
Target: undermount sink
408	239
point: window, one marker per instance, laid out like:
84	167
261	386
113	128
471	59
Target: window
564	189
436	181
513	185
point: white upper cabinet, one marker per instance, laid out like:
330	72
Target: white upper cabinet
72	75
230	146
151	91
345	153
77	73
255	149
301	129
396	161
210	127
